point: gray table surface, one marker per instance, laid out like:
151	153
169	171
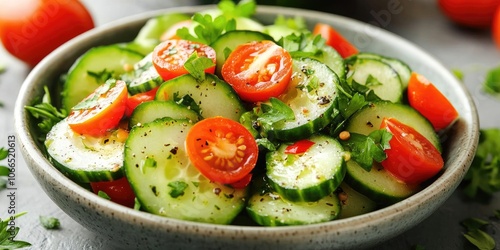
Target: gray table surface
470	51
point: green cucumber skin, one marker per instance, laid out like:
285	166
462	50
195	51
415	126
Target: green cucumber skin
214	96
143	78
152	110
369	118
378	184
162	142
355	203
79	84
84	159
356	70
230	40
322	114
403	69
290	175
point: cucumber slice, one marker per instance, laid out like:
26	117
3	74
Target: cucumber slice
143	78
228	41
311	95
309	176
353	203
79	83
403	69
167	184
378	184
149	35
376	75
368	119
152	110
268	208
279	31
332	59
85	159
213	96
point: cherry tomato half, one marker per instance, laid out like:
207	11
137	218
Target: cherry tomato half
100	111
135	100
258	71
412	158
31	29
335	40
222	149
119	191
169	57
430	102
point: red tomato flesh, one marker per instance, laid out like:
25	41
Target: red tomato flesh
299	147
119	191
258	71
496	27
335	40
412	158
135	100
223	150
169	57
31	29
430	102
100	111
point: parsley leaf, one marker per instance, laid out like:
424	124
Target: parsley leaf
476	235
187	101
245	8
275	112
197	65
7	235
365	149
492	82
47	114
209	28
178	188
296	23
483	177
4	170
103	195
49	222
101	76
3	68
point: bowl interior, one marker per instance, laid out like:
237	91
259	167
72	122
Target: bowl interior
134	228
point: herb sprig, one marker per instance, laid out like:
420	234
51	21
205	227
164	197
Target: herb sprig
9	233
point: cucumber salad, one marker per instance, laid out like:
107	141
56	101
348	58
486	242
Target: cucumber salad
217	118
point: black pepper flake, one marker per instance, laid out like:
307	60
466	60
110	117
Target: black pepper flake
369	124
174	150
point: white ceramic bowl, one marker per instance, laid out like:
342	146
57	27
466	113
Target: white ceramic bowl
139	230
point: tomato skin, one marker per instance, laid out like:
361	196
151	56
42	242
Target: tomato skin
495	29
169	57
135	100
119	191
258	71
470	13
222	149
31	29
335	40
299	147
412	158
430	102
105	113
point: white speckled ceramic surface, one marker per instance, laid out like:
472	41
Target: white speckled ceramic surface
138	230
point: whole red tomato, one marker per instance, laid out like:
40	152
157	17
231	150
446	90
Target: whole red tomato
470	13
496	27
31	29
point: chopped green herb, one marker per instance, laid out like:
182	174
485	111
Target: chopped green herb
368	148
49	222
47	114
483	178
188	102
149	162
480	239
103	195
266	143
296	23
177	188
492	82
197	65
3	68
92	101
208	30
102	76
473	223
276	112
245	8
459	74
372	81
9	233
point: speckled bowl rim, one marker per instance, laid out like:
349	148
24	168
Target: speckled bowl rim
367	229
